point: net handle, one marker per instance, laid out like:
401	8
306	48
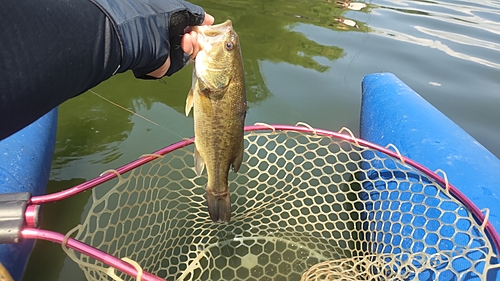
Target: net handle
276	127
123	266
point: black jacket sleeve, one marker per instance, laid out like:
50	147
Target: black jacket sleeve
50	51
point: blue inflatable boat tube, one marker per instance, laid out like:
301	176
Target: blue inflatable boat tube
393	113
25	160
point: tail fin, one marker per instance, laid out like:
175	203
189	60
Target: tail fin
219	207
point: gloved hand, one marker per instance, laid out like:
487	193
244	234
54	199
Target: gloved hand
150	30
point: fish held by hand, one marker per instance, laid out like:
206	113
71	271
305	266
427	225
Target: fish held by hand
218	99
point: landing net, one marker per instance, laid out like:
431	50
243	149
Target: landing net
306	205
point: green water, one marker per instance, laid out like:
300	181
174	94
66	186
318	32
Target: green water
301	64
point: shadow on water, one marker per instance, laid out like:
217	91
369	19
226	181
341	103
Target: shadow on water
86	136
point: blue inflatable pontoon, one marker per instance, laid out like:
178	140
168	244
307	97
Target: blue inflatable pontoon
25	160
391	112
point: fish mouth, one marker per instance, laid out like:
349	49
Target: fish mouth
209	34
223	26
213	30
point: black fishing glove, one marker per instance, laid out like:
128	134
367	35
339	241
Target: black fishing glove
149	30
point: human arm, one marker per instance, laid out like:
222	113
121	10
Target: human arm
53	50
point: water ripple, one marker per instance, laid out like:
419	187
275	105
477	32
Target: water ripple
486	17
435	44
459	38
464	30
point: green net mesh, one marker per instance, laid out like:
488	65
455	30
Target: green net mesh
304	207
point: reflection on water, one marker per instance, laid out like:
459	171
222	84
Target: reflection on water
304	61
266	35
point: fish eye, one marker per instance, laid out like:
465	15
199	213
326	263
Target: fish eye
229	45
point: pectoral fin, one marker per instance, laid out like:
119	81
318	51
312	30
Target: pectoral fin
214	83
199	163
239	158
189	101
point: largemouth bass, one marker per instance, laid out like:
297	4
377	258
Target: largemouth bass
218	99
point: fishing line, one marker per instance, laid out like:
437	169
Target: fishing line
366	30
136	114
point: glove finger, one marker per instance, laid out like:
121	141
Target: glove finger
192	15
179	59
179	20
177	23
